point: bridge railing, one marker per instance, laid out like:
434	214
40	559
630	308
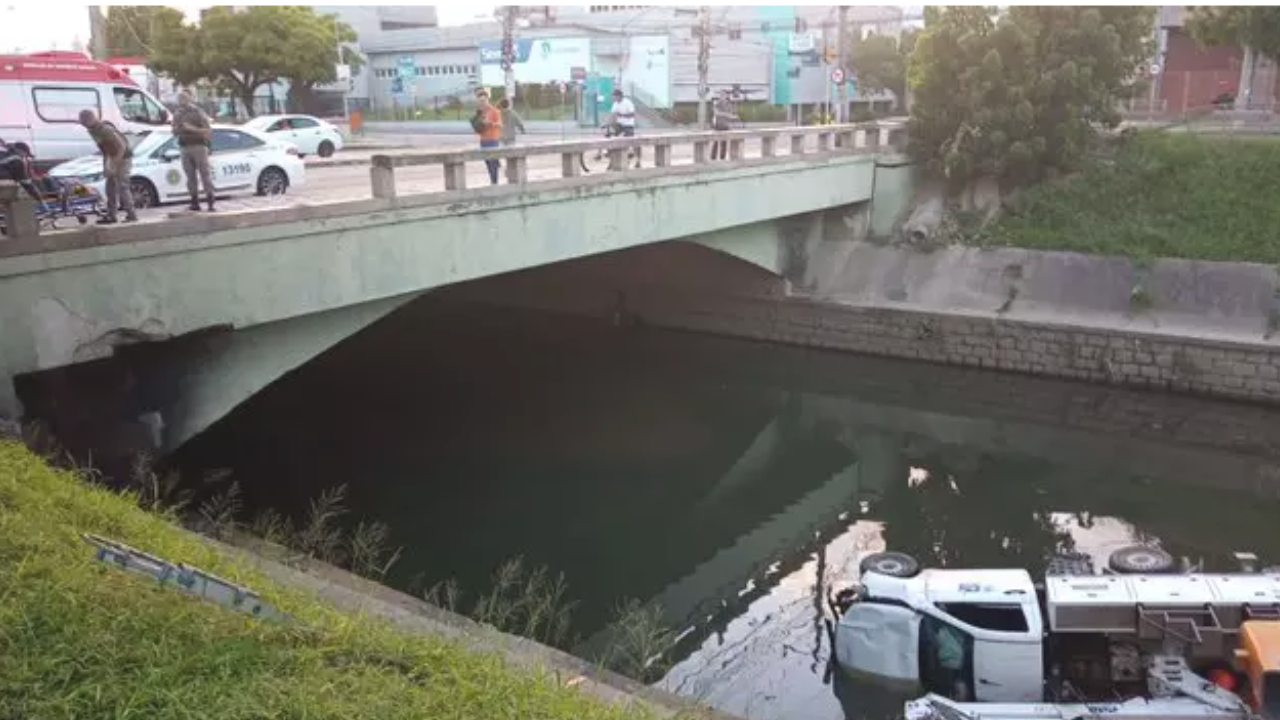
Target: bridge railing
842	139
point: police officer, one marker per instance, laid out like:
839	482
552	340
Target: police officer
191	127
117	165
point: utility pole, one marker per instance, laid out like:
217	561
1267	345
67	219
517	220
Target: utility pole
509	51
346	83
704	62
842	52
97	33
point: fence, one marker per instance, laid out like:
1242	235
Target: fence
769	145
532	102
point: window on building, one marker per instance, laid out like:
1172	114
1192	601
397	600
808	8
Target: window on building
419	71
63	104
735	32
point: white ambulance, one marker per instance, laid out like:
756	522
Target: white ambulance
42	94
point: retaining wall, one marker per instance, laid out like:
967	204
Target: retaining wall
1174	325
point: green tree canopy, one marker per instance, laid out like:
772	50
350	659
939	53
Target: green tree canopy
880	61
1018	94
132	29
241	50
1255	27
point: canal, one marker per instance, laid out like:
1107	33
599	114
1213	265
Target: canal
728	482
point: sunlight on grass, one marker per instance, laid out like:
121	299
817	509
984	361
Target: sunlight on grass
81	640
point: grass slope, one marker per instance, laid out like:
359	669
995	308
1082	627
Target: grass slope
80	640
1166	195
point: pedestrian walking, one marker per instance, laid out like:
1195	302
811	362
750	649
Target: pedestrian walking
511	123
117	165
191	127
487	122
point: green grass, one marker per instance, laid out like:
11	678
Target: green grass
80	640
1165	195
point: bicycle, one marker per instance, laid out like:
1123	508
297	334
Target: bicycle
601	159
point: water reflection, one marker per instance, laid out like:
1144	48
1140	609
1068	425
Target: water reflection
731	483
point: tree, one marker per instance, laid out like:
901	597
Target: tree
240	51
131	29
1254	27
314	49
880	61
1016	95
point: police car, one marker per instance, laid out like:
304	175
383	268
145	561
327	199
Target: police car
241	160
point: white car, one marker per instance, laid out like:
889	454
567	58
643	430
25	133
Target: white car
241	160
311	135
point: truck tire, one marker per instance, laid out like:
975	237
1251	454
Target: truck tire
1140	560
892	564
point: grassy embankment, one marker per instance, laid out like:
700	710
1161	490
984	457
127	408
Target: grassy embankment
1162	195
80	640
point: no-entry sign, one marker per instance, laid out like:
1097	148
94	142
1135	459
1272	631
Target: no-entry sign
837	76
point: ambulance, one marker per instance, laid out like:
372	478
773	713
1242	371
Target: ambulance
42	94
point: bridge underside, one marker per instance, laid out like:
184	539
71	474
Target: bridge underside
211	318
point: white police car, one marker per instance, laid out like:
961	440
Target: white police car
240	159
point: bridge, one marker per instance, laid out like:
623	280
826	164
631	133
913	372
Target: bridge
206	311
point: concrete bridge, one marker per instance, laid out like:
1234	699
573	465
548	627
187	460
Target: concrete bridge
206	311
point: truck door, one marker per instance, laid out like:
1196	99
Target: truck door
1007	654
946	659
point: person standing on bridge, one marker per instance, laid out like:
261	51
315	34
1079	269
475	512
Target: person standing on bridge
117	165
191	127
723	119
511	123
487	123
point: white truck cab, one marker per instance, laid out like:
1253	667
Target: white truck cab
974	632
1142	639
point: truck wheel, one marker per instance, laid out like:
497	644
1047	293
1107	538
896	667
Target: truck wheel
1139	560
892	564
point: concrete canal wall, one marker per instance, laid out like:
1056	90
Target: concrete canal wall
1175	325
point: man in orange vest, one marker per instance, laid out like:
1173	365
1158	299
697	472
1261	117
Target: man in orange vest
487	123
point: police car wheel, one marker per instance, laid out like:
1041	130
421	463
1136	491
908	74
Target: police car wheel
144	193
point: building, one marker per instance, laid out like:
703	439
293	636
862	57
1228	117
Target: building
1193	78
774	55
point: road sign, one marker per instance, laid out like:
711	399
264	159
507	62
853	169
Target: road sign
406	67
837	76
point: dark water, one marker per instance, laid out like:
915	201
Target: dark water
732	482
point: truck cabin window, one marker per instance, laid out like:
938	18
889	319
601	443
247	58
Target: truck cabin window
988	616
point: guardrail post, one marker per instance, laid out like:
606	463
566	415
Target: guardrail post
769	146
873	137
662	155
382	177
570	164
617	159
847	139
517	170
700	151
737	149
898	139
797	144
824	141
455	175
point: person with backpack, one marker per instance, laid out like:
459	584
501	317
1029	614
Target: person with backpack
487	123
117	165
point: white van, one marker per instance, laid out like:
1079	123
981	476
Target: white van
42	94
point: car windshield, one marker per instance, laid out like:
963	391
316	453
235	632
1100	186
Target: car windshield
150	143
260	123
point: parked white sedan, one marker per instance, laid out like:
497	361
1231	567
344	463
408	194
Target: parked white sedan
241	161
311	135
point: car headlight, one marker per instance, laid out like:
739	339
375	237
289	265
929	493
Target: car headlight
91	179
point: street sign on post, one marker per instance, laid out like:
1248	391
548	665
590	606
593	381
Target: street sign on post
837	76
405	66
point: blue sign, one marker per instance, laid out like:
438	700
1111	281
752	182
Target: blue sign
397	85
406	67
491	50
